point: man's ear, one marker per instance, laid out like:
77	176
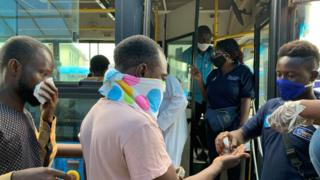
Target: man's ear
141	70
14	67
314	76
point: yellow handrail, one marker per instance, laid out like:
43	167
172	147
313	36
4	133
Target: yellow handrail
109	10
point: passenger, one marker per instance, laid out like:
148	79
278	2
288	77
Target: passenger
24	63
285	155
172	119
203	65
295	113
229	90
119	135
98	66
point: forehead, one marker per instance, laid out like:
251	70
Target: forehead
163	62
294	64
42	59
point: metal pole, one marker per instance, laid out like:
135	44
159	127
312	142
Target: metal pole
273	47
129	18
147	14
194	55
156	23
278	35
215	21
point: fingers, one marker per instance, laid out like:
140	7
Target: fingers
219	142
50	89
234	142
49	92
51	86
244	156
240	152
194	70
59	174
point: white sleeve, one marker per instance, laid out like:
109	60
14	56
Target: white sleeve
177	103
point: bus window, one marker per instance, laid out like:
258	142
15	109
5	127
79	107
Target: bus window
177	65
307	27
74	59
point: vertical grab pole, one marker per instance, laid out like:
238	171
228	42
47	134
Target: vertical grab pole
215	21
194	55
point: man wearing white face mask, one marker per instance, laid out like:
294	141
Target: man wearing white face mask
203	62
203	65
120	136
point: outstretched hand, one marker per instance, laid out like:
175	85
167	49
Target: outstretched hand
40	173
228	161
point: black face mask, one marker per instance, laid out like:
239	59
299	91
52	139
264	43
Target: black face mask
219	61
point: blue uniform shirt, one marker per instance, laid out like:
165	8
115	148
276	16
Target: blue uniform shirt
228	89
276	164
203	63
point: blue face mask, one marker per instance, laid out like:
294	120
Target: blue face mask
290	90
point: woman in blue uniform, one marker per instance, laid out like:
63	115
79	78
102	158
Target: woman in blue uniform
229	90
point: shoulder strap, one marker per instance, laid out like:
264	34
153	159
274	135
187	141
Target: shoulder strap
292	154
294	159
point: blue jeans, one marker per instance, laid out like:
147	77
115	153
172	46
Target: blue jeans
314	151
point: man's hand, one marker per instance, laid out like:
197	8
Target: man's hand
51	97
40	174
220	146
196	73
228	161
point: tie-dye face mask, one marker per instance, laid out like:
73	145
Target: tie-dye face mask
144	94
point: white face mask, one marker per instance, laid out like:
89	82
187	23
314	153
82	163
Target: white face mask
203	47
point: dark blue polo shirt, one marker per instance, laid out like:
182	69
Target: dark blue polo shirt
276	164
228	89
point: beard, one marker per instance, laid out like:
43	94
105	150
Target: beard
26	93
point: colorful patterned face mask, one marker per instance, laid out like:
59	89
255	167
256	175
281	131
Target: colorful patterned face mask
141	93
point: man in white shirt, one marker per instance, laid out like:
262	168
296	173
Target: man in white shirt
172	119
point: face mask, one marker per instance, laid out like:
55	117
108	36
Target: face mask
290	90
203	47
219	61
144	94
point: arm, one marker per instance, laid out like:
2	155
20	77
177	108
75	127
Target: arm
246	93
244	110
198	77
177	103
312	110
294	113
218	165
46	135
202	88
39	173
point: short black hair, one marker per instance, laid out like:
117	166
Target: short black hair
21	48
99	64
231	47
136	50
204	30
301	49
